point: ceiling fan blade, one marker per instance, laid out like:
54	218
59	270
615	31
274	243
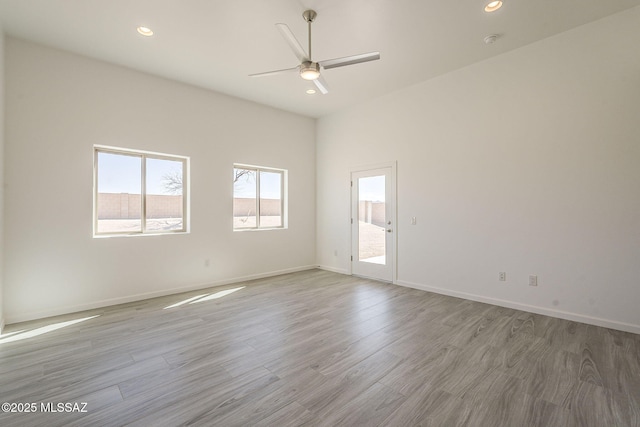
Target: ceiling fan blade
294	44
270	73
349	60
322	85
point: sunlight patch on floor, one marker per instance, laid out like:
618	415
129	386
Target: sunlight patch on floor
188	300
22	335
217	295
204	297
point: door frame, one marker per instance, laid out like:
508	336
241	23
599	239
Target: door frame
394	213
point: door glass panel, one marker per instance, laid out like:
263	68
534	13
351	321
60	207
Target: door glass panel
371	219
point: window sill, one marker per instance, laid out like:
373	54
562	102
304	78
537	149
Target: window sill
242	230
108	236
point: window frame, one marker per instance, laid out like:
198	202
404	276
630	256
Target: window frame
143	155
284	176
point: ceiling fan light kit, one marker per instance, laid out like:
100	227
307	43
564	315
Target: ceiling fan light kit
309	69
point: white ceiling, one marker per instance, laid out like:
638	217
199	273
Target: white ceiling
215	44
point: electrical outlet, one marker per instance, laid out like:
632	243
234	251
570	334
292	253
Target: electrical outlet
413	220
502	276
533	280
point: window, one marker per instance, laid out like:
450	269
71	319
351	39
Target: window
138	192
258	197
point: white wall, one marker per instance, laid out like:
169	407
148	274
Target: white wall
58	106
1	178
527	163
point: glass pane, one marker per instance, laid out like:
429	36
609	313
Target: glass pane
371	219
119	193
164	208
270	199
244	198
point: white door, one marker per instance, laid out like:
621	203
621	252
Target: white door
373	223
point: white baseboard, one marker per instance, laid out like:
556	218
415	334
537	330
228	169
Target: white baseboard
24	317
612	324
333	269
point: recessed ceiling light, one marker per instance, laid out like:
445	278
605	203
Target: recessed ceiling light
491	38
311	91
493	6
145	31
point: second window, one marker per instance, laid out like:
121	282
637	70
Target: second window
258	197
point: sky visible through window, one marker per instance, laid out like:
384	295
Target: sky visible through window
270	185
119	173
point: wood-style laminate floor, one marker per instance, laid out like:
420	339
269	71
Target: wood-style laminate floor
318	348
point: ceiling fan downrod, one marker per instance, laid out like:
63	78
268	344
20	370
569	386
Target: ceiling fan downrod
309	16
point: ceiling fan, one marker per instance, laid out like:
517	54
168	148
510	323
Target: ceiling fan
308	69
